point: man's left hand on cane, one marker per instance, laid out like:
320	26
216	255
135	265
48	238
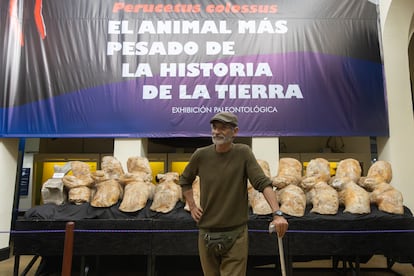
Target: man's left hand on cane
281	225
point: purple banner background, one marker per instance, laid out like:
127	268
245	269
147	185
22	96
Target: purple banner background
65	85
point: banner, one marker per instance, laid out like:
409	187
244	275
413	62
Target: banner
89	68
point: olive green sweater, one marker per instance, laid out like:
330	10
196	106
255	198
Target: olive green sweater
223	184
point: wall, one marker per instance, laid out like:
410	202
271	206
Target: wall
8	168
398	148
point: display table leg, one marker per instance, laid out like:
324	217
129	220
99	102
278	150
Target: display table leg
16	265
150	265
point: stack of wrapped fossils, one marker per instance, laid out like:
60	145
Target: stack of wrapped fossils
295	190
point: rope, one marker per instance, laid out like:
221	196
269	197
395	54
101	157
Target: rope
338	232
351	231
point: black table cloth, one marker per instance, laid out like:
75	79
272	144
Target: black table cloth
108	231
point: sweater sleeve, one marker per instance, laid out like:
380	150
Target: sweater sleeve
189	174
255	173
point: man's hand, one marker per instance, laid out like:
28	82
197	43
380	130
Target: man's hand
281	225
196	212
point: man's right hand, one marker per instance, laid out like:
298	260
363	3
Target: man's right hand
196	212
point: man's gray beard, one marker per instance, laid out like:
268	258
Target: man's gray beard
221	141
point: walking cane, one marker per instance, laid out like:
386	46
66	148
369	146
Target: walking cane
281	255
281	250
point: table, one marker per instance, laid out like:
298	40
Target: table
107	231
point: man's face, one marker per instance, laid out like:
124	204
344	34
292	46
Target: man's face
222	133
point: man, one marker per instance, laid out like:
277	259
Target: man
224	168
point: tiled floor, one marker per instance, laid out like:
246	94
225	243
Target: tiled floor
376	266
